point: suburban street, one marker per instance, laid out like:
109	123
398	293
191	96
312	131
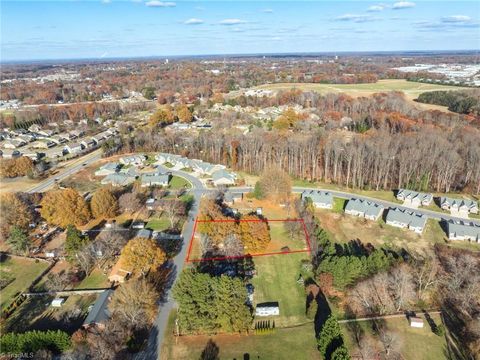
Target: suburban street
72	168
157	334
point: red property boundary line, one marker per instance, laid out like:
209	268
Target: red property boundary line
219	258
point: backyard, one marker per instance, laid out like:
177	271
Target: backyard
284	344
23	271
411	343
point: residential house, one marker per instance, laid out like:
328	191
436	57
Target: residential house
59	139
155	179
34	128
363	208
107	169
463	230
406	220
223	177
9	153
118	179
73	148
14	143
135	160
43	144
99	313
320	199
230	197
45	132
32	154
413	198
87	143
151	204
460	206
267	309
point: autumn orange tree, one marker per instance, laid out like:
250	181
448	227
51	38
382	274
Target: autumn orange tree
184	114
13	212
104	204
254	233
287	120
143	254
16	167
64	207
163	116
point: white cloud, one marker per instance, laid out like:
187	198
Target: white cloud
232	22
106	1
457	19
403	5
269	11
156	3
375	8
193	21
355	18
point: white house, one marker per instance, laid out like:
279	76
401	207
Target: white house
155	179
73	148
223	177
414	199
463	230
459	206
107	169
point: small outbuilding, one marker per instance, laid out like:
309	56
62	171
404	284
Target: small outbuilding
267	309
57	302
415	322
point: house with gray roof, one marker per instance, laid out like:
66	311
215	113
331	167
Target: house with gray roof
406	220
413	198
155	179
99	313
363	208
461	206
10	153
230	197
223	177
320	199
73	148
135	160
118	179
463	230
108	169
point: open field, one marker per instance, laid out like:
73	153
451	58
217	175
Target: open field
97	279
284	344
411	343
276	281
24	271
343	228
17	184
409	88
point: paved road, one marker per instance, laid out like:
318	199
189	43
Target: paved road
75	166
154	345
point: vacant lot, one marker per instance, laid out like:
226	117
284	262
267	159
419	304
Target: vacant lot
411	343
276	281
285	344
24	271
410	88
343	228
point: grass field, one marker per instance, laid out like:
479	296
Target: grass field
158	224
276	280
411	343
409	88
285	344
178	183
97	279
24	271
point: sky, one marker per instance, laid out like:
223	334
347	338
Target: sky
38	30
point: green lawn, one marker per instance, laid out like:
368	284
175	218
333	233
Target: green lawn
411	343
24	271
276	280
178	182
158	224
96	279
338	205
297	343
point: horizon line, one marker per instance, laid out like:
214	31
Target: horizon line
236	55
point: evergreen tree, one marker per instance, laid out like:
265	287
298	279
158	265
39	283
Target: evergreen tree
18	240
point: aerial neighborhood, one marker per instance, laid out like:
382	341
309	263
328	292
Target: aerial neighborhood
268	204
